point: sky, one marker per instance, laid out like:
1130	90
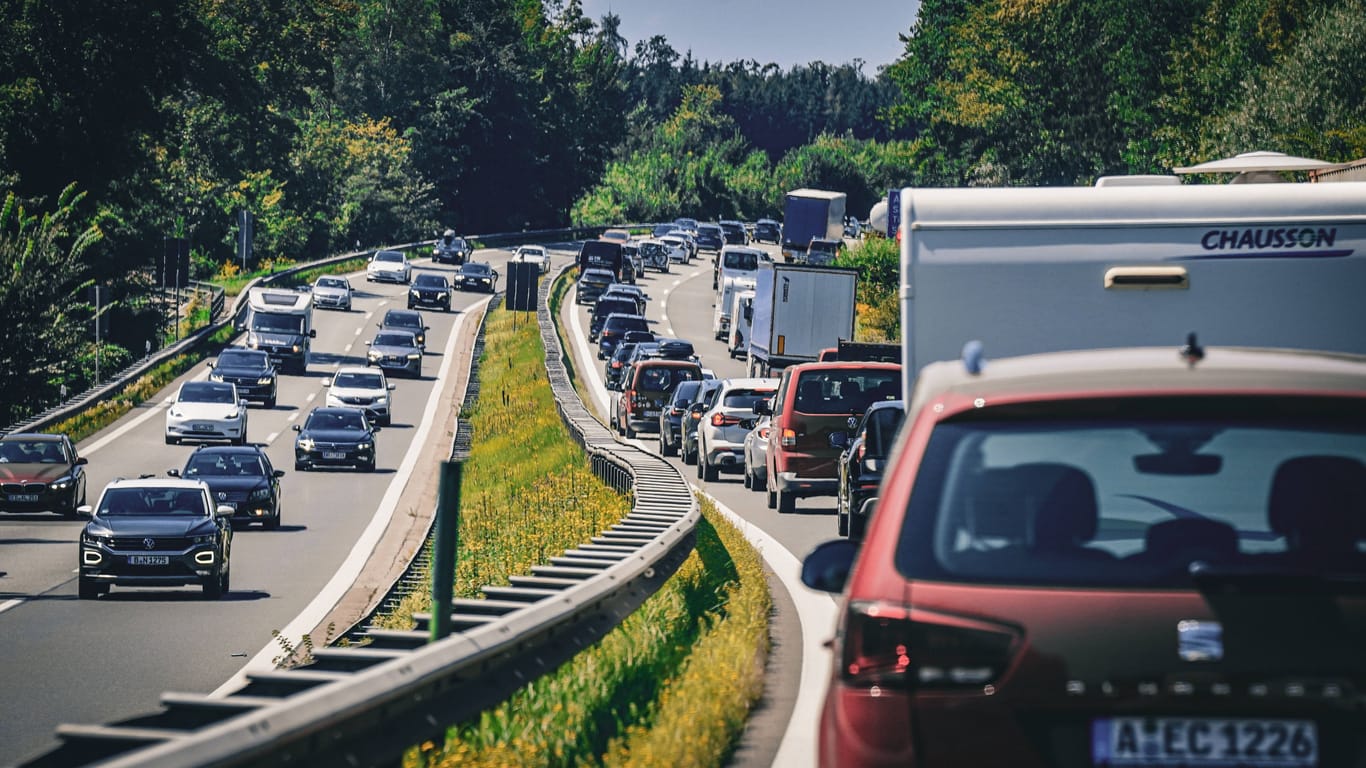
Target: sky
785	32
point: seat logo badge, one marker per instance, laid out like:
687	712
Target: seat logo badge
222	496
1199	640
149	543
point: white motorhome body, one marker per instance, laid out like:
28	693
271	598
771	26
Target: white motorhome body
721	313
741	320
738	262
798	311
280	323
1027	270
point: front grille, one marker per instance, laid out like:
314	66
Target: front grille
24	487
357	400
160	544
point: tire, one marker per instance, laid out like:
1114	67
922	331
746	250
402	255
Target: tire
709	472
172	441
300	467
368	467
630	433
749	479
689	457
666	447
772	499
273	523
787	503
388	420
88	590
700	462
270	402
759	483
215	587
842	521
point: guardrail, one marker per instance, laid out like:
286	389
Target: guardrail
362	705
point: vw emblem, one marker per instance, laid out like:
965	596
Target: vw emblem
149	543
1199	640
222	495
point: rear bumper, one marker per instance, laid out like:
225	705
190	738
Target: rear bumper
791	482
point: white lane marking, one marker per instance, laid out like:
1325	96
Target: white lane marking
347	348
292	416
358	330
368	315
131	425
350	568
816	613
8	604
311	397
271	437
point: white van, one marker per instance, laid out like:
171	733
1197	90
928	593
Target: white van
721	313
1028	270
741	321
737	261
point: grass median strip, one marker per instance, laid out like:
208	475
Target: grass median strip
673	685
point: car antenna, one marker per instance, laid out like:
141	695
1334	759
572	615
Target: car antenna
1192	352
972	357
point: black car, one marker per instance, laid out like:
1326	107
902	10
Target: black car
162	532
241	477
605	306
734	232
252	372
430	290
335	437
395	351
768	230
633	291
614	328
671	417
862	463
477	276
592	284
451	249
710	237
702	402
41	472
617	364
406	320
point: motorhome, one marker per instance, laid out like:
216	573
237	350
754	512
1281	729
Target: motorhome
280	323
1029	270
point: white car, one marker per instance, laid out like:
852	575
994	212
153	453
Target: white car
332	292
362	387
207	410
678	248
756	455
535	254
388	267
722	430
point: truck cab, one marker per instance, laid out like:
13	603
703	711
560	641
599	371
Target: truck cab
280	323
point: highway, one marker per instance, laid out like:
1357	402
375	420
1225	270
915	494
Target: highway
98	661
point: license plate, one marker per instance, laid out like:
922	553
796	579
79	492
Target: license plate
202	427
23	497
1199	741
333	455
652	414
149	559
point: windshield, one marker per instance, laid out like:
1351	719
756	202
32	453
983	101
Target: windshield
338	419
742	260
880	431
146	502
389	256
745	398
241	359
430	281
332	282
272	322
359	381
849	390
221	465
399	320
1099	498
394	340
478	270
32	452
200	392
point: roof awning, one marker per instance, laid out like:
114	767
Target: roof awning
1250	162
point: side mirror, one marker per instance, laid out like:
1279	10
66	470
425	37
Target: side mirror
312	333
327	382
426	327
297	428
211	363
81	461
278	473
827	567
367	343
85	510
392	387
173	473
225	510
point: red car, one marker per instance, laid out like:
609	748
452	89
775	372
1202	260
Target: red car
1111	558
812	414
41	473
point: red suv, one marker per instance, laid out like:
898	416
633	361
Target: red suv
1111	558
812	414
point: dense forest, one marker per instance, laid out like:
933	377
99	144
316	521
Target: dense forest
337	122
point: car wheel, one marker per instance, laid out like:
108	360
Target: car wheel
630	433
709	471
689	457
787	503
700	462
270	401
388	420
172	441
89	590
759	483
842	521
300	467
772	499
749	479
666	447
410	305
215	587
368	467
272	523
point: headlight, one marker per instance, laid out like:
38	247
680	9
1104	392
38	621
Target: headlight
381	400
176	414
415	292
373	355
253	341
333	401
260	494
365	446
96	538
264	380
295	348
234	415
206	539
415	356
215	376
62	483
304	444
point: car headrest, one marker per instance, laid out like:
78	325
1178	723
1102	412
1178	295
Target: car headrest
1061	501
1210	537
1319	498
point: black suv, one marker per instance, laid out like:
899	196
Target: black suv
862	464
710	237
450	249
252	372
406	320
608	305
238	476
614	328
768	230
335	437
734	232
592	284
155	532
477	276
430	290
671	417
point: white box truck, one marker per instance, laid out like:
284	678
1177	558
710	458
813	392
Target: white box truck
1028	270
807	214
798	311
280	323
741	321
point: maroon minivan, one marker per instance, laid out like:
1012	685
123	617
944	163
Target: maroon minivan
1110	558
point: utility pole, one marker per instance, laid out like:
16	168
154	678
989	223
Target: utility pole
97	335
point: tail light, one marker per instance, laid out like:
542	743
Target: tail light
763	433
858	454
891	645
789	438
638	400
722	420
